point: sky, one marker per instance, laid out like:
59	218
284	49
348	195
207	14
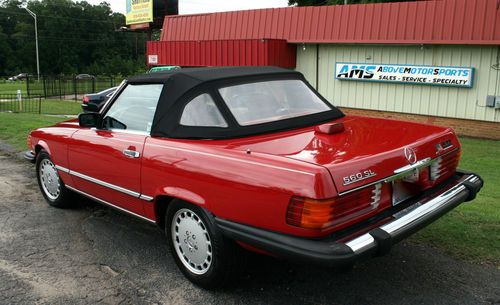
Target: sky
207	6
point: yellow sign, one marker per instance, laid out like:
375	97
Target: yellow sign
139	11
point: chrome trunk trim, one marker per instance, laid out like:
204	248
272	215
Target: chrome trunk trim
398	173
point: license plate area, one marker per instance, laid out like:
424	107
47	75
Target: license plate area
405	187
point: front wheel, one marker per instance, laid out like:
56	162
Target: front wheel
200	251
51	185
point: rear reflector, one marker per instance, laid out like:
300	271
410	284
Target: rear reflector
86	99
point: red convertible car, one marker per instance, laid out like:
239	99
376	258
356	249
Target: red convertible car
254	158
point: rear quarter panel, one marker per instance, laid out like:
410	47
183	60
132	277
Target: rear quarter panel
248	188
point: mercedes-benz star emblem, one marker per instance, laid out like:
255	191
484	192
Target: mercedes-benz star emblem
410	155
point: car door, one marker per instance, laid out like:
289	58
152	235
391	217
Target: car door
106	162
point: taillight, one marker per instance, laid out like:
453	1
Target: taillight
319	214
444	166
86	99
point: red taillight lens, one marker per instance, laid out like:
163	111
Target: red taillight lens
86	99
444	166
319	214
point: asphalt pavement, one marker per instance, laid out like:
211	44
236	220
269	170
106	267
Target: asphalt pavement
91	254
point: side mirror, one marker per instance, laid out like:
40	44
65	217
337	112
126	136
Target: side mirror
89	119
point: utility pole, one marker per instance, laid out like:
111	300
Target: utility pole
36	42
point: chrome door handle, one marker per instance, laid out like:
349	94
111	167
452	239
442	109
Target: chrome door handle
131	153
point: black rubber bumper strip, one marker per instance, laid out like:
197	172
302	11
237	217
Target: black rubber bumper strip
330	252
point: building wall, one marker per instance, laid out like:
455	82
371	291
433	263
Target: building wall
447	102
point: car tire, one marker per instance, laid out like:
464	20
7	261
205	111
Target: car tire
202	253
52	187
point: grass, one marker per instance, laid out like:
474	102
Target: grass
12	87
471	231
47	106
15	127
61	107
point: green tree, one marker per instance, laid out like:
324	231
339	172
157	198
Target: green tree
74	37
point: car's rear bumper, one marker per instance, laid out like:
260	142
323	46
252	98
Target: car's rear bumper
29	155
331	252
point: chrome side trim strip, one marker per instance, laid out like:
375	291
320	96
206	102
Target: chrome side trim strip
366	241
105	184
146	197
62	169
110	204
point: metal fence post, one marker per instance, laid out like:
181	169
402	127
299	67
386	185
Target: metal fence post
74	86
44	87
28	84
39	104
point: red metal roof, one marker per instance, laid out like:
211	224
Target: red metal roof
242	52
419	22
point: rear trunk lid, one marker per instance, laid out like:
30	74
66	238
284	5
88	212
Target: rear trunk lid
366	151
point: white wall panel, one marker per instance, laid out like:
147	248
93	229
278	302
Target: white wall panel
466	103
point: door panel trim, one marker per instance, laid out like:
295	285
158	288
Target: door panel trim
110	204
105	184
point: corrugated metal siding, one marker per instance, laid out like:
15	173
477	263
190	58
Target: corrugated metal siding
420	22
256	52
418	99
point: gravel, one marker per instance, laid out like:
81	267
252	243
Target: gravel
91	254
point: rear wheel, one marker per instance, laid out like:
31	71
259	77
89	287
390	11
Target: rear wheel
51	185
200	251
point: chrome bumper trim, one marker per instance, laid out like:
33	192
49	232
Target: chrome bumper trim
366	241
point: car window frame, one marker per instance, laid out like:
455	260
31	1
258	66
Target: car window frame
115	97
214	100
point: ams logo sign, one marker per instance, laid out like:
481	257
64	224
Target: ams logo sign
406	74
355	71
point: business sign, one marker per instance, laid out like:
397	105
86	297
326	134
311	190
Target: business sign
139	11
406	74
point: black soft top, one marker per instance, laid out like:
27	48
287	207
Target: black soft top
182	85
195	76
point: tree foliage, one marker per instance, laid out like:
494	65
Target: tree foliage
335	2
74	37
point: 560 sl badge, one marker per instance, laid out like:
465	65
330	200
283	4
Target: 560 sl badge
358	176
